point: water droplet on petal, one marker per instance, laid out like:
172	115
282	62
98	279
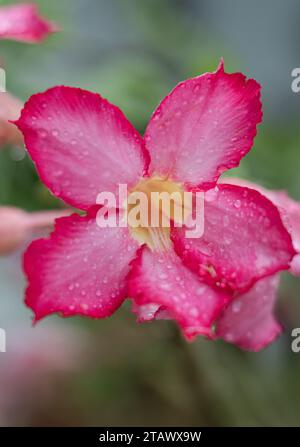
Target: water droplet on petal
43	133
194	312
226	221
236	307
162	276
165	286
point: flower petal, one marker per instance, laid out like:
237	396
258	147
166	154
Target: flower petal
289	210
244	239
162	286
204	127
23	23
81	269
248	321
290	213
81	144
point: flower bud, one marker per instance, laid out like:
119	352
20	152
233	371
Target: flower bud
16	225
10	109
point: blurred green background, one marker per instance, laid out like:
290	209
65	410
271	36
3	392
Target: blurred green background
114	372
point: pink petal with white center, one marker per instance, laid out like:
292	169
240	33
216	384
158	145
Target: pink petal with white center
162	286
80	270
22	22
289	210
249	321
244	239
204	127
81	144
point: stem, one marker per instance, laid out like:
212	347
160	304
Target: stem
202	400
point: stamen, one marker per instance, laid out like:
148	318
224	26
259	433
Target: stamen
155	232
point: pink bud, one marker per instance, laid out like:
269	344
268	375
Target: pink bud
10	109
16	225
13	228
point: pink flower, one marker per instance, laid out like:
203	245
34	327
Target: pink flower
22	22
82	145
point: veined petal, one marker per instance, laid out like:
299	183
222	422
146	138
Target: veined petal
81	144
80	270
248	321
162	286
244	239
204	127
22	22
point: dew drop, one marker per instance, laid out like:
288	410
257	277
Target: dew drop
194	312
226	221
162	276
210	195
236	307
165	286
43	133
228	337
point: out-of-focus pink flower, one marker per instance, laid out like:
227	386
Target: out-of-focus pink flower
10	109
22	22
34	362
82	145
16	225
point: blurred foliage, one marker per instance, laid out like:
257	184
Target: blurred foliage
133	52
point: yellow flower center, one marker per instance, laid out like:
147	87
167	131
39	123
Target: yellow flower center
151	207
